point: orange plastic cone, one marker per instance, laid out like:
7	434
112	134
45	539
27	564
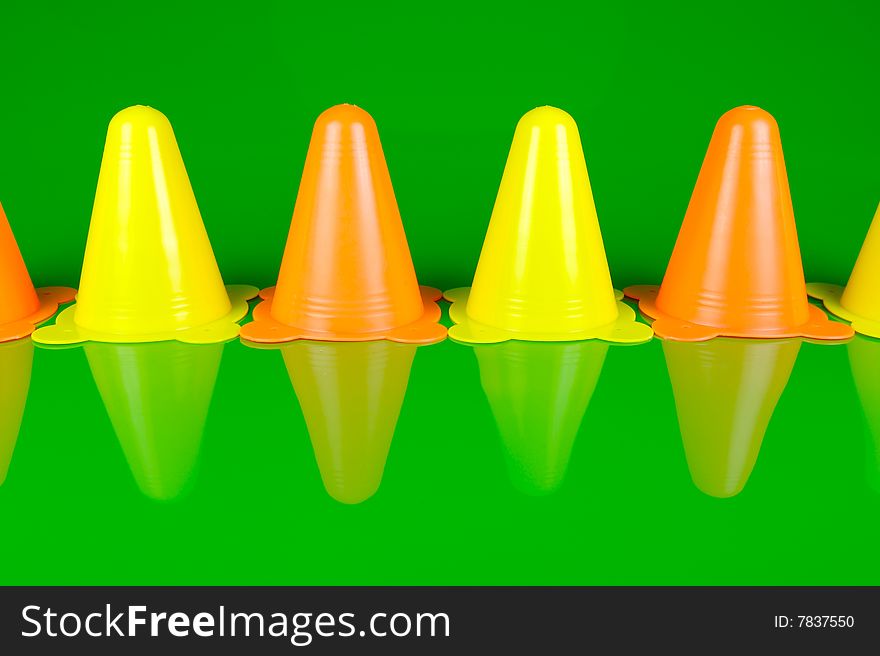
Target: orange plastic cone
16	360
725	393
21	306
346	274
736	269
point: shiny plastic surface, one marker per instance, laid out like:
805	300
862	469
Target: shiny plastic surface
736	268
16	361
725	393
450	509
859	302
21	306
157	397
542	274
350	396
864	362
539	393
347	274
148	273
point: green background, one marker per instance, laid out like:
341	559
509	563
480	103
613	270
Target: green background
446	85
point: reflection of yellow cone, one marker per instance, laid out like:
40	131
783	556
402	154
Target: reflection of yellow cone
538	394
350	394
864	360
149	273
157	397
859	302
725	393
16	359
542	274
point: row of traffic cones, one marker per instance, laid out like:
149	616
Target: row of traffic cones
149	273
158	395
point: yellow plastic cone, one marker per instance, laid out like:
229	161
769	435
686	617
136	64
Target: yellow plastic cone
149	273
859	302
350	394
542	274
157	397
864	361
539	394
16	360
725	393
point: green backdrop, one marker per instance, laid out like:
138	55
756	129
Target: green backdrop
115	479
446	84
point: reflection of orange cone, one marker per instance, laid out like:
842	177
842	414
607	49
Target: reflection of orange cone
350	395
21	306
859	302
157	397
736	269
539	393
725	393
149	273
543	275
864	360
346	274
16	359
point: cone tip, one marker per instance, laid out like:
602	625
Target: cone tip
748	115
345	114
546	116
139	115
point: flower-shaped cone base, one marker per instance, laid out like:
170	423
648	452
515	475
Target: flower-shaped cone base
625	330
266	329
67	331
50	299
818	326
830	296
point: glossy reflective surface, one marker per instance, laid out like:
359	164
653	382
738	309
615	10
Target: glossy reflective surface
721	462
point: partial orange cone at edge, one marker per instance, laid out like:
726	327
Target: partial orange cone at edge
22	307
346	274
736	268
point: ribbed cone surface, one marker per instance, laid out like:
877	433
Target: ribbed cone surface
725	393
148	265
862	293
736	265
157	396
543	266
350	395
864	360
539	393
18	299
347	266
16	360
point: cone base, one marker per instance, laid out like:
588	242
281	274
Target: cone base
66	331
830	296
818	326
50	298
265	329
625	330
